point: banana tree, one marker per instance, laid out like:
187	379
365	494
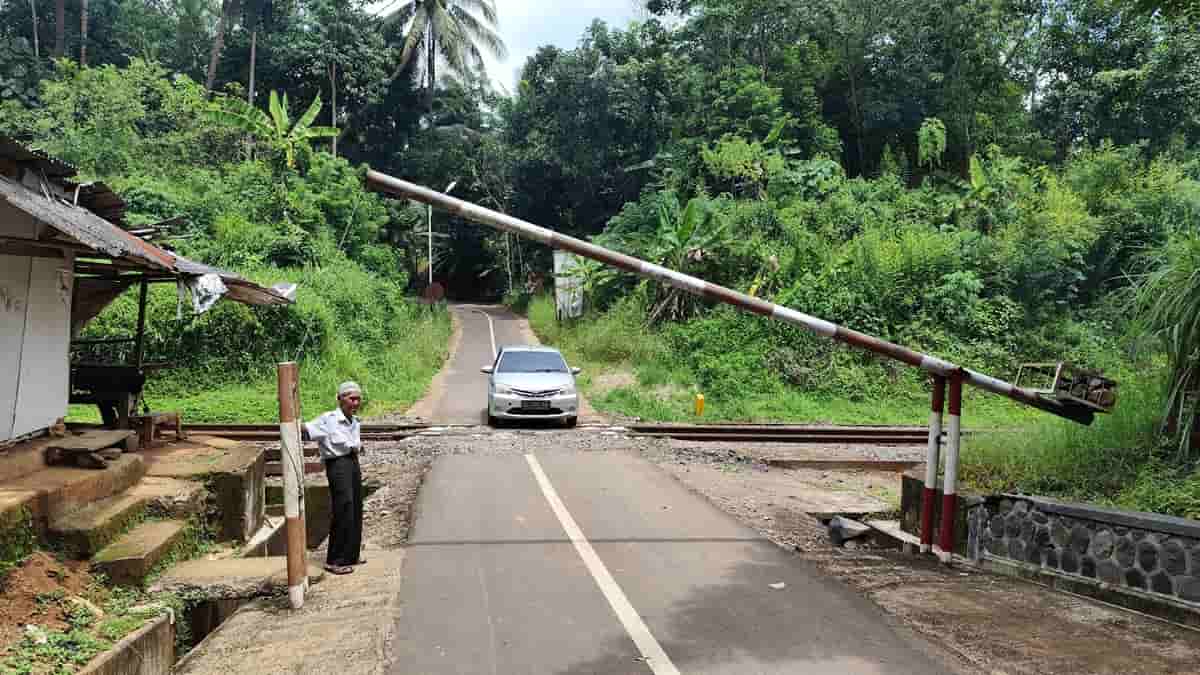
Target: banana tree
684	242
276	130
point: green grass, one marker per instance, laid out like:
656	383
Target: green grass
392	377
87	635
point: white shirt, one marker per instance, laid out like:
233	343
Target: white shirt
335	434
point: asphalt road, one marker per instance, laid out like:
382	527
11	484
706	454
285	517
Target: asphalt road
598	562
464	393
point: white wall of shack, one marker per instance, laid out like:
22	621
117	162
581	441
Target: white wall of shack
35	334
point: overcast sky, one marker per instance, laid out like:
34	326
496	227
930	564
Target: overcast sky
526	25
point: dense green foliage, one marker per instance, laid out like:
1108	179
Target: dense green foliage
289	214
989	181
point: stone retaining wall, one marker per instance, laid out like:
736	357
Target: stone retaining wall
1142	553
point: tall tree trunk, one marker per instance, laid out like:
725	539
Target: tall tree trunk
218	44
333	102
253	56
37	53
60	27
83	21
431	55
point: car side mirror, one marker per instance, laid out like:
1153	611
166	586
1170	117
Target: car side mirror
486	370
576	371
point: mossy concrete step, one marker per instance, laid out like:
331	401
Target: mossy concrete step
84	532
172	498
134	554
53	492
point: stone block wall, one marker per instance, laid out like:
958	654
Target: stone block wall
1124	550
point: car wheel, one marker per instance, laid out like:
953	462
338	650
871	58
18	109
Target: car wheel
572	422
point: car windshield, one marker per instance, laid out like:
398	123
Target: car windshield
531	362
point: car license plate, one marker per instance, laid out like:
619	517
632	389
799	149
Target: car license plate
535	405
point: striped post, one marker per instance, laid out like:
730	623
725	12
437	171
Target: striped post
291	452
950	483
931	463
716	293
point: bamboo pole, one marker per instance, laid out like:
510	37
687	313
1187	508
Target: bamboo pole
292	456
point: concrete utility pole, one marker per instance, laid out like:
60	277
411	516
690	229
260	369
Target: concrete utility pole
429	208
291	450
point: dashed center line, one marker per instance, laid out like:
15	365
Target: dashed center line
652	651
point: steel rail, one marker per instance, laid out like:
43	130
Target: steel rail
699	287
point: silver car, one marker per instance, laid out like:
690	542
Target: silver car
531	383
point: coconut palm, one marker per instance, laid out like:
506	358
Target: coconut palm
455	30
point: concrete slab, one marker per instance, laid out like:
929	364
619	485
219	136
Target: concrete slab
23	458
170	497
132	556
342	628
60	490
91	441
231	578
233	471
317	505
150	650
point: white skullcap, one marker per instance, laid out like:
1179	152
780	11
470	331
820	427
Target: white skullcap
348	388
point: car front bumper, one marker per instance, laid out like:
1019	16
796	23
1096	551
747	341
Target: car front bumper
512	407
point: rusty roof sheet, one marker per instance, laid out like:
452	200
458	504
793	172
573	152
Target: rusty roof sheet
81	226
95	195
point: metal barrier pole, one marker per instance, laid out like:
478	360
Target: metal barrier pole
950	483
714	292
928	496
292	463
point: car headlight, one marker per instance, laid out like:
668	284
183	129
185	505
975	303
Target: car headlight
501	389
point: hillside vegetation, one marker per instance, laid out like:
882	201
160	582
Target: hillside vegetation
992	182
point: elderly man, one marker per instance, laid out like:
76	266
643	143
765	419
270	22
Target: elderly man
338	434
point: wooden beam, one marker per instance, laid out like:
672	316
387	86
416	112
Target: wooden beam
139	348
14	247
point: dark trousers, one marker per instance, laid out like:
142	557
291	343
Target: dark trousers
346	514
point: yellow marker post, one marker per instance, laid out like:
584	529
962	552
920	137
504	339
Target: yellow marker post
699	405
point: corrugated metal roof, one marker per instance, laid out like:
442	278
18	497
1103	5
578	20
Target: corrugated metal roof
95	196
79	225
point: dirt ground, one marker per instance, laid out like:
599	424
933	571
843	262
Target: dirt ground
27	592
993	624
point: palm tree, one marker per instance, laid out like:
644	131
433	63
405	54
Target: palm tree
229	9
255	14
83	26
60	27
449	29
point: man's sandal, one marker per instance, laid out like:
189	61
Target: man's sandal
338	569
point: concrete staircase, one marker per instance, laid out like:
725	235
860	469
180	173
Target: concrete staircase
130	516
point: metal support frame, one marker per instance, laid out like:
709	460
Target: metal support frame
950	479
929	494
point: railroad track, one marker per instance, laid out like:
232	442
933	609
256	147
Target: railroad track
730	433
787	433
270	432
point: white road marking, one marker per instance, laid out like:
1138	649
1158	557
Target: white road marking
491	329
656	658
